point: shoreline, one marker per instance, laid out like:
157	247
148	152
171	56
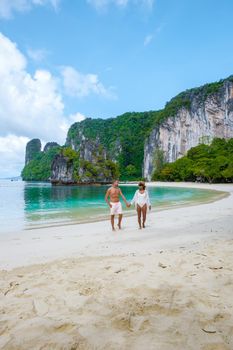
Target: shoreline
127	213
168	287
21	248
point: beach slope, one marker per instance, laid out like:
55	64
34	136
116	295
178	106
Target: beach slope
167	287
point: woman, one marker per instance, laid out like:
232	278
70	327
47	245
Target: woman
142	201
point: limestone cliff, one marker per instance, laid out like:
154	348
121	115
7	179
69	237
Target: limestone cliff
79	138
62	170
50	145
121	138
37	162
209	114
33	147
87	163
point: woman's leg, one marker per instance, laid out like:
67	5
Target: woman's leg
139	211
144	210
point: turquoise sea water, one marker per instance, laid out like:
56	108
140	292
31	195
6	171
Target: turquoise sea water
26	205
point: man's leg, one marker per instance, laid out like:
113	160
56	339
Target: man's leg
139	211
144	210
119	221
112	222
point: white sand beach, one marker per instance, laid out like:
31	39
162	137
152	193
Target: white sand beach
168	287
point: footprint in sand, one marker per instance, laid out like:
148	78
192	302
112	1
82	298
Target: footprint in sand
12	286
64	327
40	307
131	322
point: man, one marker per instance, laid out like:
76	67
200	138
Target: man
114	192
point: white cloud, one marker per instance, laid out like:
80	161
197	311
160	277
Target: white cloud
8	7
31	107
148	39
77	117
101	4
73	118
12	148
80	85
11	59
37	55
27	101
12	154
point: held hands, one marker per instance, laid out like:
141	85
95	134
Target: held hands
110	205
128	205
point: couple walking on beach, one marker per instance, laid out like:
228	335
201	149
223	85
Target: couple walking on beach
141	201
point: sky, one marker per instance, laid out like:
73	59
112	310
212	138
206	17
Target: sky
64	60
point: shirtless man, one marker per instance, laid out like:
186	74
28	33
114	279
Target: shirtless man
114	192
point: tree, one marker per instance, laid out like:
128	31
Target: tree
158	159
131	171
211	163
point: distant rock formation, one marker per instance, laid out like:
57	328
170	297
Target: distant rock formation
87	164
33	147
37	162
62	170
50	145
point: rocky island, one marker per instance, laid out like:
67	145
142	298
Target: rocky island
141	144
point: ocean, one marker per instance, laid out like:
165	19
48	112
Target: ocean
27	205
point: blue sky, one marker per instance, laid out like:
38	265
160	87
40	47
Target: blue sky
66	60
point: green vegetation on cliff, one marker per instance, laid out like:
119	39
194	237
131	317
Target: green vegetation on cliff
33	148
39	168
124	136
123	139
73	158
104	169
100	169
207	163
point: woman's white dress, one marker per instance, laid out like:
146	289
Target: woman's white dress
141	199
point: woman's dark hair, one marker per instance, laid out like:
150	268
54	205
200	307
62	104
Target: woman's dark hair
141	183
